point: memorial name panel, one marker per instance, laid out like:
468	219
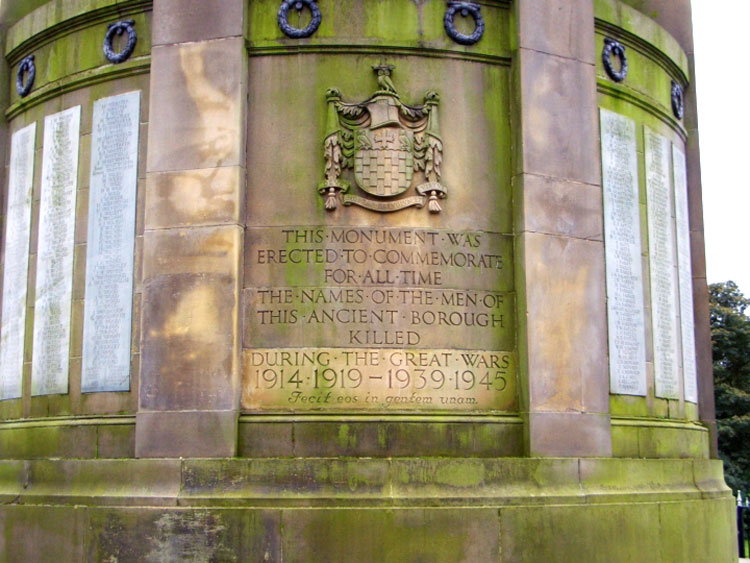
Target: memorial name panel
685	274
662	265
622	243
54	281
378	318
16	274
108	307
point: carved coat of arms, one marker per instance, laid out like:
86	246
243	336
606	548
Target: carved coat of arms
390	146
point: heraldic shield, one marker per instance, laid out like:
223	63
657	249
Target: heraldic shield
383	161
389	145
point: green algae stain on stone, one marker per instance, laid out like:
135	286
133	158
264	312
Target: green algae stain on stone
194	535
461	474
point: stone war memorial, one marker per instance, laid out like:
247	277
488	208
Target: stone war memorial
354	280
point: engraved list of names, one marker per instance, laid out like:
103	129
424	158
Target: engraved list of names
16	275
111	237
622	238
684	268
662	262
54	281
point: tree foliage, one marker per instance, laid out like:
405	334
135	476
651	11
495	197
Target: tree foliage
730	339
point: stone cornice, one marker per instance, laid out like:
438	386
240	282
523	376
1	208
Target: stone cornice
139	65
45	25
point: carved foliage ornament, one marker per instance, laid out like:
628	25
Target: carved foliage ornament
118	29
612	47
678	100
27	65
390	147
296	32
465	9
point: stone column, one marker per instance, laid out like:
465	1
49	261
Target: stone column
704	353
5	85
189	385
559	243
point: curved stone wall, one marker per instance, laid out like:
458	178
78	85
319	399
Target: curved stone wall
71	71
407	283
656	66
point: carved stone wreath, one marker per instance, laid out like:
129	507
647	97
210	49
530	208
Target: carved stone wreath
27	65
296	32
612	47
118	29
466	9
678	100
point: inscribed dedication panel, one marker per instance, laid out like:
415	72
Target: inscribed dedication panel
662	263
108	309
622	244
16	275
378	318
685	273
379	278
54	272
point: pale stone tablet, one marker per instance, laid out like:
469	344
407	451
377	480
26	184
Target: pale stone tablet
108	309
689	369
662	262
622	244
54	273
15	277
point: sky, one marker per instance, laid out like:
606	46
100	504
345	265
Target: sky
723	89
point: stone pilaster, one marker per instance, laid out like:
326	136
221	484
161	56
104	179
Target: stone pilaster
5	74
189	388
559	243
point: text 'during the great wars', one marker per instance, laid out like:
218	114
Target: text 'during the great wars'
382	379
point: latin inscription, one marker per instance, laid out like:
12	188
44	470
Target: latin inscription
54	275
351	314
16	274
111	237
622	238
663	265
685	270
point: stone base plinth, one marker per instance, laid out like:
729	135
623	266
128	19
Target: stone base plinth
326	509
